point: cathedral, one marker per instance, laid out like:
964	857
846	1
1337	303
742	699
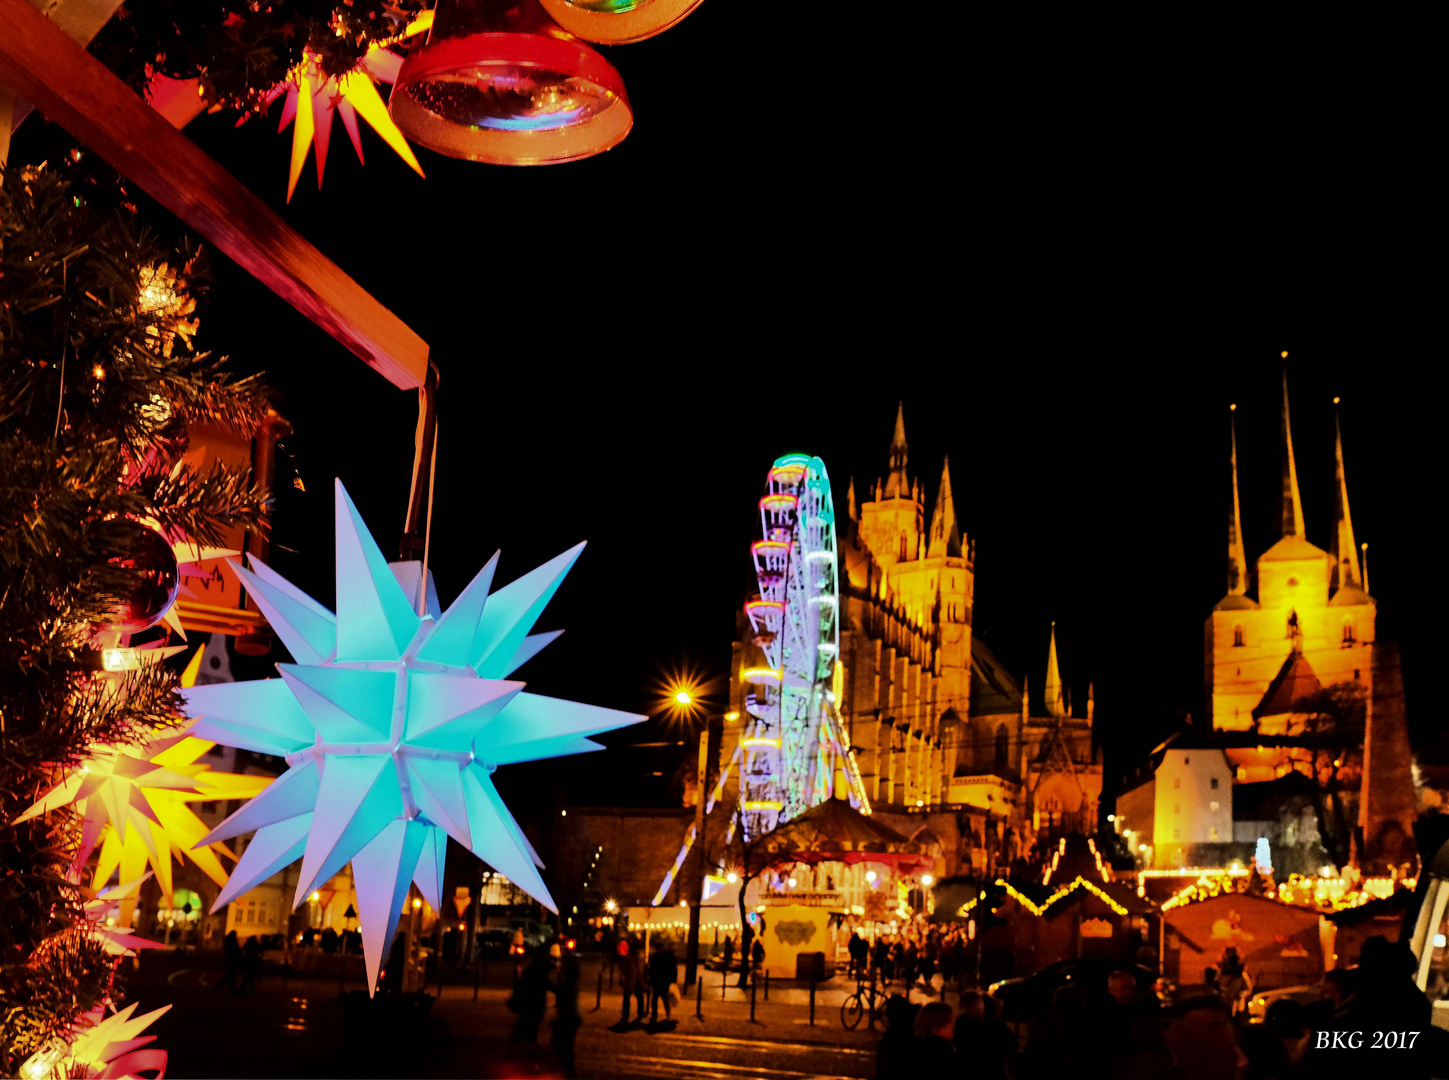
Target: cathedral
1308	747
1311	625
939	728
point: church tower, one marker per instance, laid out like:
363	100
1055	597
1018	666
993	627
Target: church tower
1309	626
906	635
890	523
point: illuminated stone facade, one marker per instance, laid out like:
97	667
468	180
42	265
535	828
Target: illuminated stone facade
938	725
1309	629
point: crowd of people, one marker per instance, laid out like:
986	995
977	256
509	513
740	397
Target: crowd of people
934	956
1122	1033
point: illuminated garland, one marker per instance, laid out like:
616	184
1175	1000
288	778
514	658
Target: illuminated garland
1041	909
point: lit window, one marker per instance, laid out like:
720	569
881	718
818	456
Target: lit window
1214	783
1213	833
1213	805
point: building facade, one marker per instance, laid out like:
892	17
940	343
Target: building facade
1308	625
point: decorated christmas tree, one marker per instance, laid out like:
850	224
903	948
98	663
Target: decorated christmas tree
99	380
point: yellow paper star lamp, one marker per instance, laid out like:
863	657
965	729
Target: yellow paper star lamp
312	98
133	800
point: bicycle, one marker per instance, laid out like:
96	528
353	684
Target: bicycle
855	1006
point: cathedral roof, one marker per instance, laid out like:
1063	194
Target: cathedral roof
1235	602
1350	596
1292	549
1294	682
993	690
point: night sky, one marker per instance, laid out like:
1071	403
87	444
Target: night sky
1066	279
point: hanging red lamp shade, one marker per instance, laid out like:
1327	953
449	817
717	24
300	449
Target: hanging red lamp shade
498	81
618	22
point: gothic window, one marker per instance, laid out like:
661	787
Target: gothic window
1003	741
1214	783
903	547
1177	808
1348	637
1293	630
1177	783
1237	637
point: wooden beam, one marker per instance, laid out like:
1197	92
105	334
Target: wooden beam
39	62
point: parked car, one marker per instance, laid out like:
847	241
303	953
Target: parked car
499	936
1025	997
1261	1001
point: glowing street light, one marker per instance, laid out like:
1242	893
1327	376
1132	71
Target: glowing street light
611	906
732	877
926	879
683	697
870	875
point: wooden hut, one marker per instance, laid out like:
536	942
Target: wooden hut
1279	943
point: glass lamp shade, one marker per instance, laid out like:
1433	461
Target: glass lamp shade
618	22
498	81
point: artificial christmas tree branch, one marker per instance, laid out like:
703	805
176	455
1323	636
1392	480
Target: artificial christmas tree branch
85	460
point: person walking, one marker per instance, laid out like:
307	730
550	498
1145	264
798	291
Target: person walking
858	950
567	1020
757	954
251	961
663	974
631	975
231	954
530	998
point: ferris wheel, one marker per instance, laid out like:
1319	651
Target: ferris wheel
793	738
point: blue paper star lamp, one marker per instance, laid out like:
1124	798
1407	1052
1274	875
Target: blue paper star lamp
392	723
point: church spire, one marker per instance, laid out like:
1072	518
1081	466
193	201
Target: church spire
850	501
1292	504
898	486
1343	549
1055	705
945	535
1237	557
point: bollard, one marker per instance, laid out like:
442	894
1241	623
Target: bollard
767	984
476	968
599	997
724	981
812	1002
699	997
753	983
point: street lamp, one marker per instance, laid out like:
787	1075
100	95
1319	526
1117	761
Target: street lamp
926	879
684	698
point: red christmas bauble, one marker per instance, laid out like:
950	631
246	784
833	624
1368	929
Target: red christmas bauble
157	577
